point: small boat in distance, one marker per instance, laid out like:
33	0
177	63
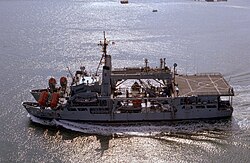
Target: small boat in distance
133	94
124	1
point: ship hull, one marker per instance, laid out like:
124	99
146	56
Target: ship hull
86	116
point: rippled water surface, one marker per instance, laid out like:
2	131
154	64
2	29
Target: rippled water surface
40	38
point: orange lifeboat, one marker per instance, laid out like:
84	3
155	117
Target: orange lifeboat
63	82
54	100
136	103
43	98
52	84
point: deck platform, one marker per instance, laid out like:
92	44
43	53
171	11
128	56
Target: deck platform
203	84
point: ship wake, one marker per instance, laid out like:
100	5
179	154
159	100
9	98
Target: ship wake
140	129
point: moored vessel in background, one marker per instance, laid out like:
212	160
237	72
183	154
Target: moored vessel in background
124	1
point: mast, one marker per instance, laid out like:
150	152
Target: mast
104	46
107	68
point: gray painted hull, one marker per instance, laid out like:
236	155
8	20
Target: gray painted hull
86	116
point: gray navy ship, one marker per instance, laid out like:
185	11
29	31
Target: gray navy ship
133	94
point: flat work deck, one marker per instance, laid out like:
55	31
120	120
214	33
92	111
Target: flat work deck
203	84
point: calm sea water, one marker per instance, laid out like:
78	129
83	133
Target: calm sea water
40	38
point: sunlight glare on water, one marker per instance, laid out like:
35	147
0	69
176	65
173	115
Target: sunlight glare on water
40	39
